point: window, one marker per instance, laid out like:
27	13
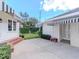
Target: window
14	25
9	25
2	6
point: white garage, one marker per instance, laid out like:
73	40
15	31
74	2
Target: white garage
65	27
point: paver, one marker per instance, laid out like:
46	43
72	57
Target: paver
44	49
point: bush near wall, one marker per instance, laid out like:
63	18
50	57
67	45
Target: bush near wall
5	51
45	36
26	30
34	29
40	31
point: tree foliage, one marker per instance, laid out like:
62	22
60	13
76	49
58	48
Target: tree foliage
29	22
24	15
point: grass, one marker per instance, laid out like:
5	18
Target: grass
31	36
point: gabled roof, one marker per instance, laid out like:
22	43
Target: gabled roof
65	16
71	11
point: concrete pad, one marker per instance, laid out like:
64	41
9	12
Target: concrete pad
44	49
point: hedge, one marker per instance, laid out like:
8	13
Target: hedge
40	32
5	52
26	30
45	36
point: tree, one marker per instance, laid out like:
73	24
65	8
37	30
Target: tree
29	22
33	20
24	16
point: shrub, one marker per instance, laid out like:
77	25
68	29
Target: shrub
22	36
40	32
45	36
5	52
34	29
24	30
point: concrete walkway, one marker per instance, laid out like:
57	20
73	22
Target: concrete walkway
43	49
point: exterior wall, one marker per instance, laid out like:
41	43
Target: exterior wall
74	34
0	10
4	33
54	31
67	27
47	29
0	29
65	31
1	5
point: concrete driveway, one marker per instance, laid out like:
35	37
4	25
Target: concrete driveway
44	49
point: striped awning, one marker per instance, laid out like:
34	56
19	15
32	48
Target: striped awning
72	20
64	21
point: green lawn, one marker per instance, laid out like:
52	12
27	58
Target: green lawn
31	35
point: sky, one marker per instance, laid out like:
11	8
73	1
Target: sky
48	8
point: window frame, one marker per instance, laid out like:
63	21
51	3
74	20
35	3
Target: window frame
9	25
14	25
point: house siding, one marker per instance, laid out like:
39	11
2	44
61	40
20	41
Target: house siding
66	27
54	31
47	29
1	5
74	34
4	33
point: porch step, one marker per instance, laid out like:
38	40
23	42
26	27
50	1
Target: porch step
14	41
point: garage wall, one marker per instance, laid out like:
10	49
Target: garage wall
47	29
74	33
54	31
65	31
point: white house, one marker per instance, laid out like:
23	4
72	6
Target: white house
9	23
64	27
